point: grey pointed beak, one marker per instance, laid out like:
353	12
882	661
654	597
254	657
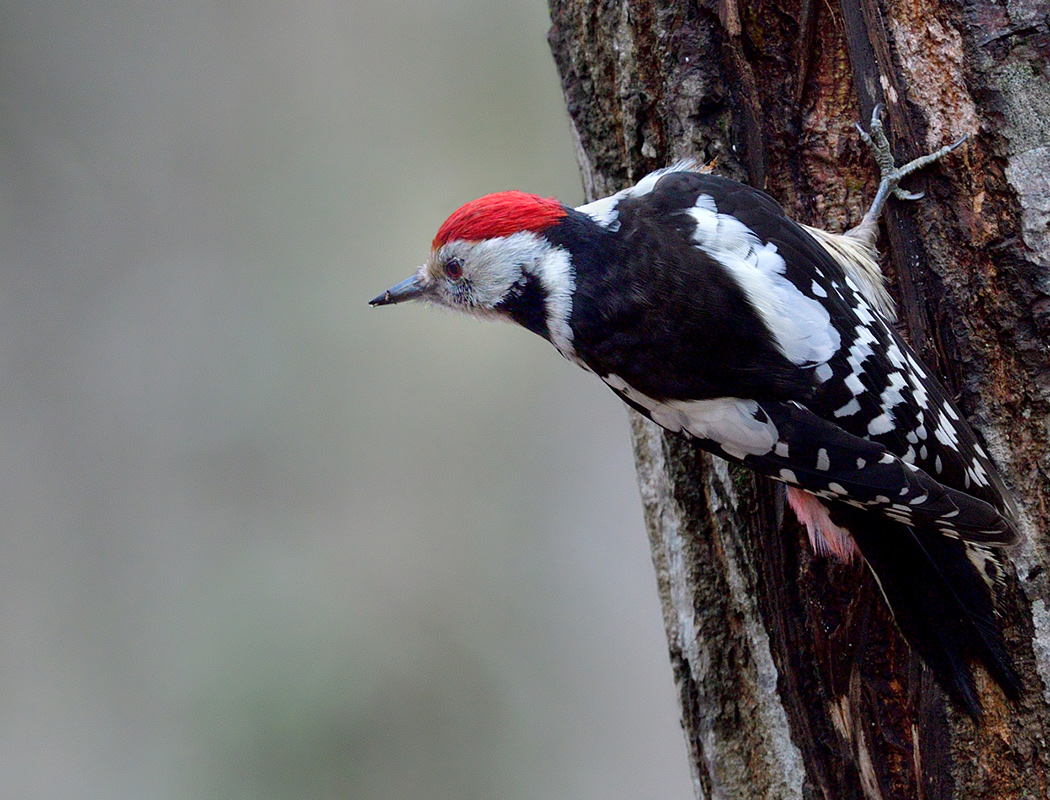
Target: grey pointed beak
408	289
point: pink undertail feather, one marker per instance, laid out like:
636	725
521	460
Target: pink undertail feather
827	538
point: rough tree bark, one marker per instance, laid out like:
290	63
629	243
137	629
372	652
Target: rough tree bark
793	681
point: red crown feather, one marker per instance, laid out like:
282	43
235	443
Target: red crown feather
500	214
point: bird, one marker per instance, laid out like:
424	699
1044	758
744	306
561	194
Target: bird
771	344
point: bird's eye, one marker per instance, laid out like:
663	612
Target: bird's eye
454	269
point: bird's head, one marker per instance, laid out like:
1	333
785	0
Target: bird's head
491	258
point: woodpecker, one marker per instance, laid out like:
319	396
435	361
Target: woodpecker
772	345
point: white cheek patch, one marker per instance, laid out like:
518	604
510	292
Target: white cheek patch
800	326
556	276
492	268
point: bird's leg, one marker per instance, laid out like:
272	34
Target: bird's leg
891	174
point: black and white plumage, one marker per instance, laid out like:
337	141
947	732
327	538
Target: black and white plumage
709	311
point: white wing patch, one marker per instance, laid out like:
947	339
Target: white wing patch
739	426
800	326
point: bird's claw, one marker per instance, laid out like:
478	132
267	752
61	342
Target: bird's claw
891	174
904	194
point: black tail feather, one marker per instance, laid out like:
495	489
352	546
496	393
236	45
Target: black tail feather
940	602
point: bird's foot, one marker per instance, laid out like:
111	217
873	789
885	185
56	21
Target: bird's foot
891	174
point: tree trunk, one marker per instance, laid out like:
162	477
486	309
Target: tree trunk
794	682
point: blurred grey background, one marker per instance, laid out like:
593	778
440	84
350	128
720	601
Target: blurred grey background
259	540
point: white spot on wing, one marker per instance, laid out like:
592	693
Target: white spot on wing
918	390
980	476
883	423
891	395
864	313
852	407
916	366
946	433
893	353
860	349
823	462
